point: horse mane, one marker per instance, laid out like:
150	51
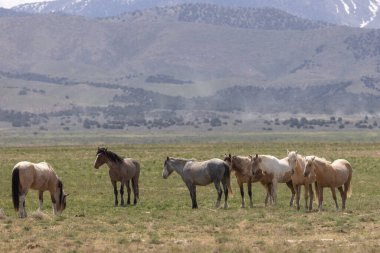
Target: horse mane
322	160
110	155
182	160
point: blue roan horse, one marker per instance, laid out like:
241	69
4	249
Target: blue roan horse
195	173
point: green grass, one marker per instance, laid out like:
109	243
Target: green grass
163	219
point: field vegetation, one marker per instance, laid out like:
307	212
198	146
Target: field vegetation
163	220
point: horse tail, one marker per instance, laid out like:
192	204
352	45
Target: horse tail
135	179
16	187
348	184
227	177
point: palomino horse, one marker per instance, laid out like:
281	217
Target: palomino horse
297	164
332	175
202	173
121	170
243	172
36	176
279	170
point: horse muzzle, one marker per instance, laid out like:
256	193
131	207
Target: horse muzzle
306	174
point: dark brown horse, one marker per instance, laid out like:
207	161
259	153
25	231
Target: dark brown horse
121	170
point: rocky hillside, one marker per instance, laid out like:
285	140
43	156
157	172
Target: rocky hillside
354	13
188	61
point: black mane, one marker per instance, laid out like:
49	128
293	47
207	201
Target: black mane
110	155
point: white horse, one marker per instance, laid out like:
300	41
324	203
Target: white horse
278	169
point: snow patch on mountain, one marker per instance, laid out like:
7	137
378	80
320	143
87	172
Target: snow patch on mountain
373	8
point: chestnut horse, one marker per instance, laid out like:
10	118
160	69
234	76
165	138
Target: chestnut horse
202	173
121	170
36	176
297	164
241	165
330	174
279	169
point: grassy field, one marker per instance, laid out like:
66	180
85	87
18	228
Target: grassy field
163	220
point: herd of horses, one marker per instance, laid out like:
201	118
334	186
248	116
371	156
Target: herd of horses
295	170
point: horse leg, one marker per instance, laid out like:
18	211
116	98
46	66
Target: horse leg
274	191
219	191
242	195
311	197
192	190
306	197
334	197
268	194
135	187
40	200
344	196
225	188
250	193
129	192
115	192
122	193
21	210
195	196
298	196
320	197
297	190
290	186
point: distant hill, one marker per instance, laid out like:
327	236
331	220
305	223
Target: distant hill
185	60
341	12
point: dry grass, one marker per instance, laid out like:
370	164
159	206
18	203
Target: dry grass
163	220
2	214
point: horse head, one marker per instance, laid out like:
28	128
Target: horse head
61	197
308	166
168	168
255	163
292	160
100	157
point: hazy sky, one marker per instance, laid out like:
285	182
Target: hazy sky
11	3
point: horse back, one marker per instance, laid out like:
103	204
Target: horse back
129	169
204	172
38	176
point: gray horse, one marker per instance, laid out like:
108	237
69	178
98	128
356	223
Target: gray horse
202	173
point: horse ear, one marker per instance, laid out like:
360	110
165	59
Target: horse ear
287	151
296	152
250	157
229	155
312	159
167	158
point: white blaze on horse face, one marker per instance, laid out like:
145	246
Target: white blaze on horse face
98	162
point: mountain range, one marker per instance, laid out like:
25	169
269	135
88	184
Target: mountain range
363	13
181	62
